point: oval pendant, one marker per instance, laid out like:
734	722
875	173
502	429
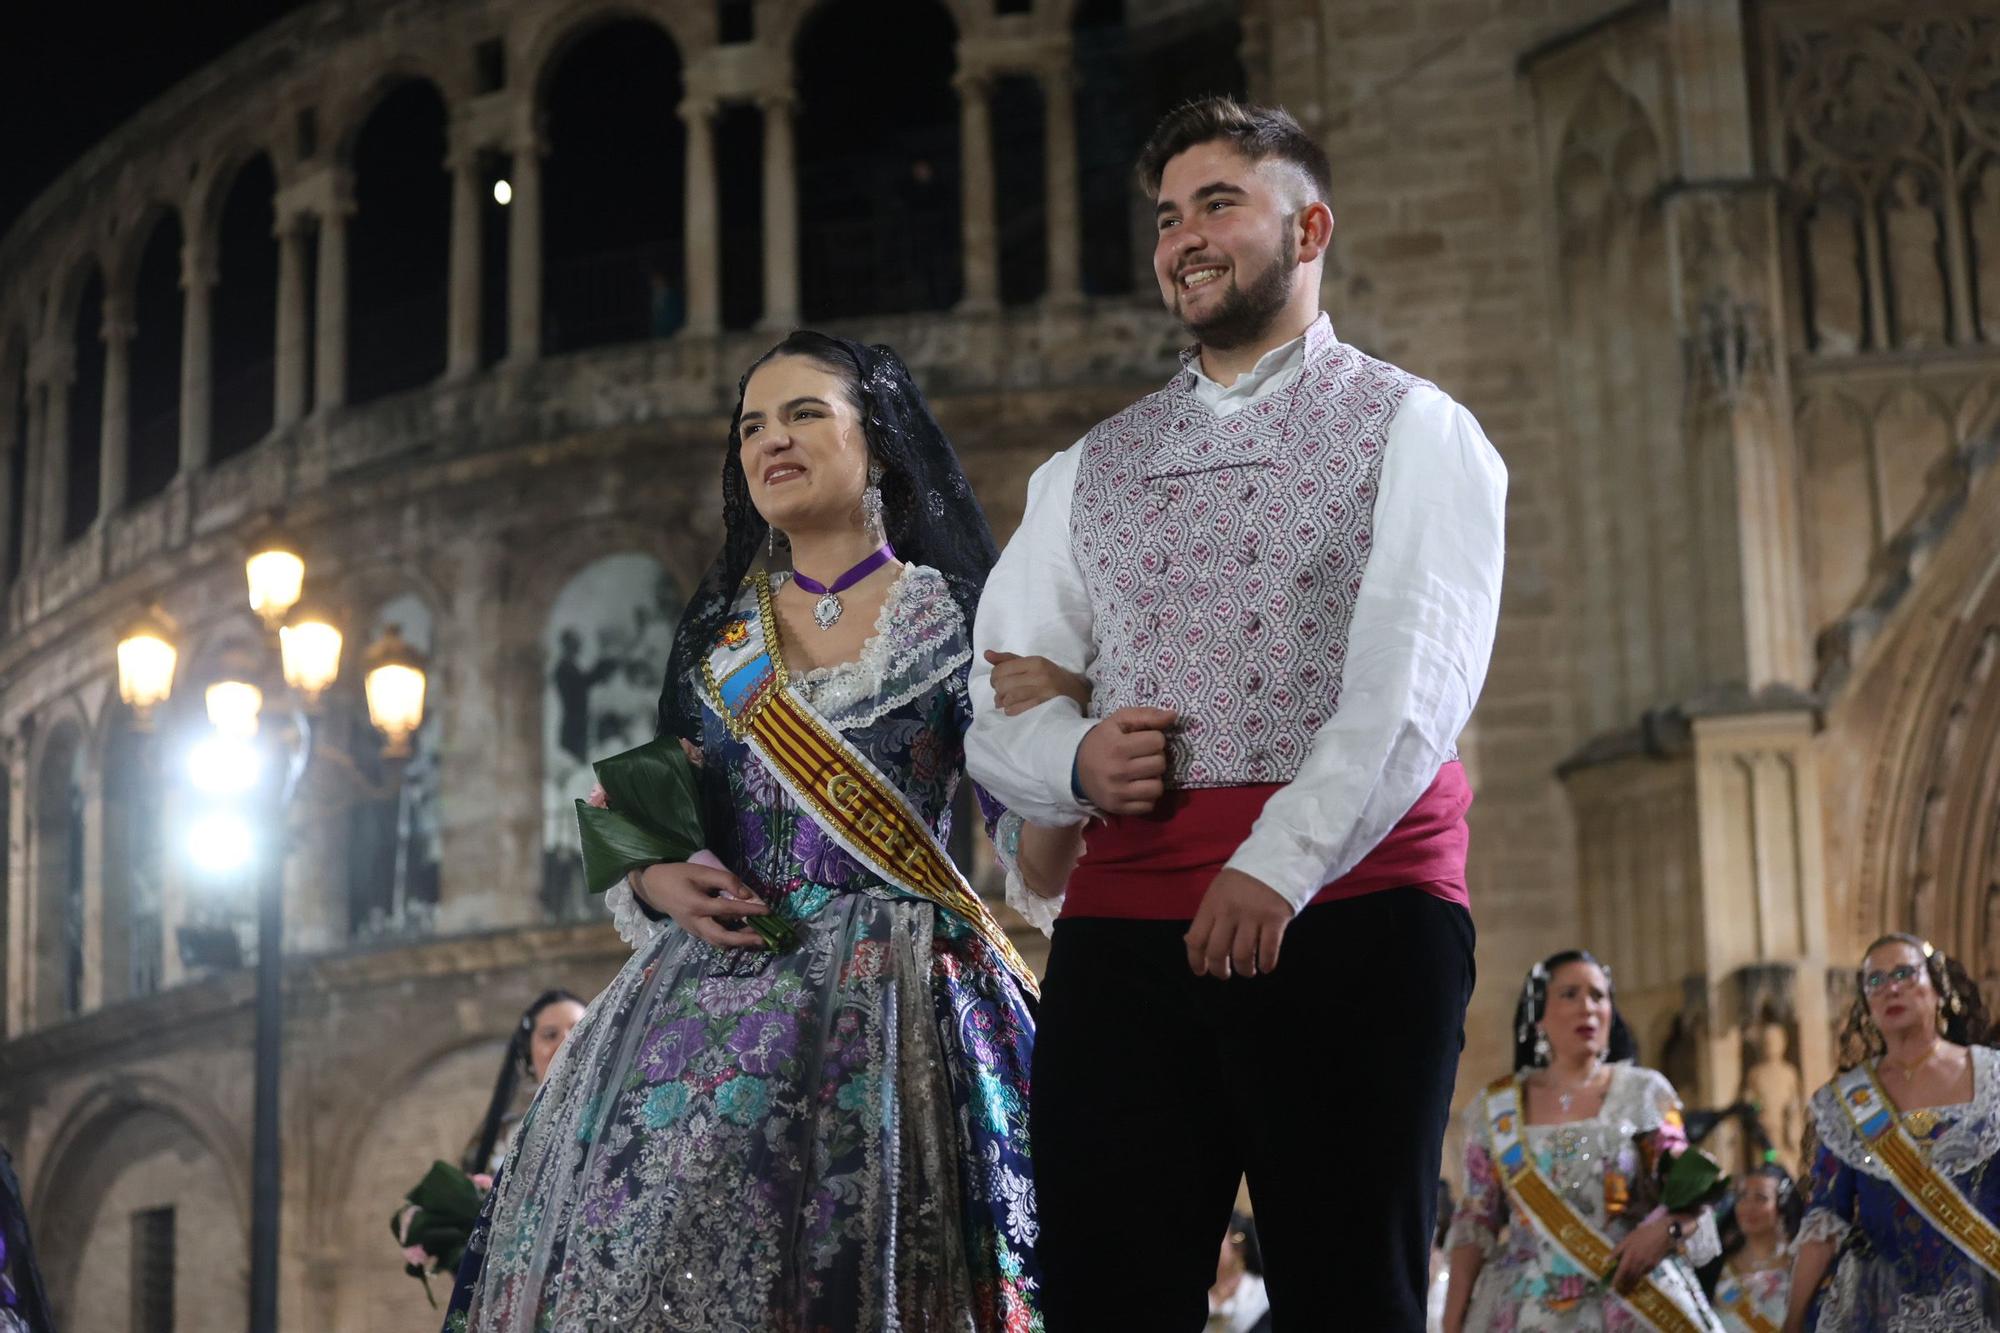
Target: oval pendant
826	611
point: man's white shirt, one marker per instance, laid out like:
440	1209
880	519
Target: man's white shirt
1418	644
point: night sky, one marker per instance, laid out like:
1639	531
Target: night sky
71	71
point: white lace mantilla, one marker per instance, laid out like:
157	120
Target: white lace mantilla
1972	1137
919	640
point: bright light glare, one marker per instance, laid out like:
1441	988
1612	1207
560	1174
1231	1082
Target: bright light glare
220	843
503	193
233	706
224	765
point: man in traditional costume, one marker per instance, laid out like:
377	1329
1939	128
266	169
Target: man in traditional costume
1281	574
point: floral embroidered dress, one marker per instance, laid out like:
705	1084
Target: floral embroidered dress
1599	1166
1894	1271
832	1139
1766	1291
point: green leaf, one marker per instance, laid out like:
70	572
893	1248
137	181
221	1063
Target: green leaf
655	784
445	1191
615	844
655	813
1694	1179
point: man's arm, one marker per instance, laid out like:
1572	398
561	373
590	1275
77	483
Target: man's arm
1417	653
1034	604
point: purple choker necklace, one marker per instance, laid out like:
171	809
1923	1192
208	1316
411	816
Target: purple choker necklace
826	611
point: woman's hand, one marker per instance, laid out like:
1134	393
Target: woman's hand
1641	1251
701	899
1020	683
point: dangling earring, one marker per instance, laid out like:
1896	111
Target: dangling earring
871	501
1542	1051
771	542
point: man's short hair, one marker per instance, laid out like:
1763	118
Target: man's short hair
1259	133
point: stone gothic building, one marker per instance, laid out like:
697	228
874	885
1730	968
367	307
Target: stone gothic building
1721	278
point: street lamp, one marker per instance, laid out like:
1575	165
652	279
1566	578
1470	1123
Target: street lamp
309	659
146	657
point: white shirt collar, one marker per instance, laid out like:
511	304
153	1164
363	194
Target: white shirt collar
1273	371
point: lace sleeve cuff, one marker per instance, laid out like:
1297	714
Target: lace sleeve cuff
1823	1224
1469	1230
1702	1245
631	921
1038	911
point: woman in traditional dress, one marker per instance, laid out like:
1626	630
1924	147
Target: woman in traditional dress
832	1136
541	1031
1560	1160
1753	1281
1902	1200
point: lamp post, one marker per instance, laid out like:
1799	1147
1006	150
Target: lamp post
308	646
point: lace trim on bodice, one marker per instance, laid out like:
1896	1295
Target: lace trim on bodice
1971	1138
1636	1103
919	641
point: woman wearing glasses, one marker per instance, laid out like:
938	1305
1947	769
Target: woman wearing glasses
1902	1202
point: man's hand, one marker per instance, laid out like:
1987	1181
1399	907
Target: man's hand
1122	763
1021	683
1237	928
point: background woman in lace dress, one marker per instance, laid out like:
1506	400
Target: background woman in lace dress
1596	1125
1750	1287
832	1136
1868	1261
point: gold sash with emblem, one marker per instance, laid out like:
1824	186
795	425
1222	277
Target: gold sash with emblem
1561	1225
1732	1297
1935	1198
859	808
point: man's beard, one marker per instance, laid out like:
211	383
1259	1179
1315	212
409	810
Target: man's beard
1245	314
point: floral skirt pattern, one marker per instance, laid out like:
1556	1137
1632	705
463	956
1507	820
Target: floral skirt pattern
1528	1286
829	1139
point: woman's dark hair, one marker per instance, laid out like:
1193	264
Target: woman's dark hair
1791	1212
1243	1237
513	1068
1965	1020
928	509
1535	1000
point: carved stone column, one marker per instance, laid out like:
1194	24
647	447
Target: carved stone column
462	348
9	389
289	373
198	278
1065	220
981	232
330	337
114	438
701	255
524	252
58	373
781	215
36	443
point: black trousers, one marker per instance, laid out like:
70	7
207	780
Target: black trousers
1327	1081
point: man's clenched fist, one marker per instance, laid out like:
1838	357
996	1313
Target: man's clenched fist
1122	763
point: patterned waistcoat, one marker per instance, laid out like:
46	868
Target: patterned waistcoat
1222	557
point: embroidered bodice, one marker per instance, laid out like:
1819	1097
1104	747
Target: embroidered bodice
1222	556
1592	1163
901	703
1956	1138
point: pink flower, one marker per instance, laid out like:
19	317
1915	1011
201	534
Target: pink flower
598	797
403	1221
416	1254
483	1181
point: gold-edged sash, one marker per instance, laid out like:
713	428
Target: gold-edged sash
1935	1198
853	802
1558	1223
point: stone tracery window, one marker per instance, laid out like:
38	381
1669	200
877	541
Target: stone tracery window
1891	147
